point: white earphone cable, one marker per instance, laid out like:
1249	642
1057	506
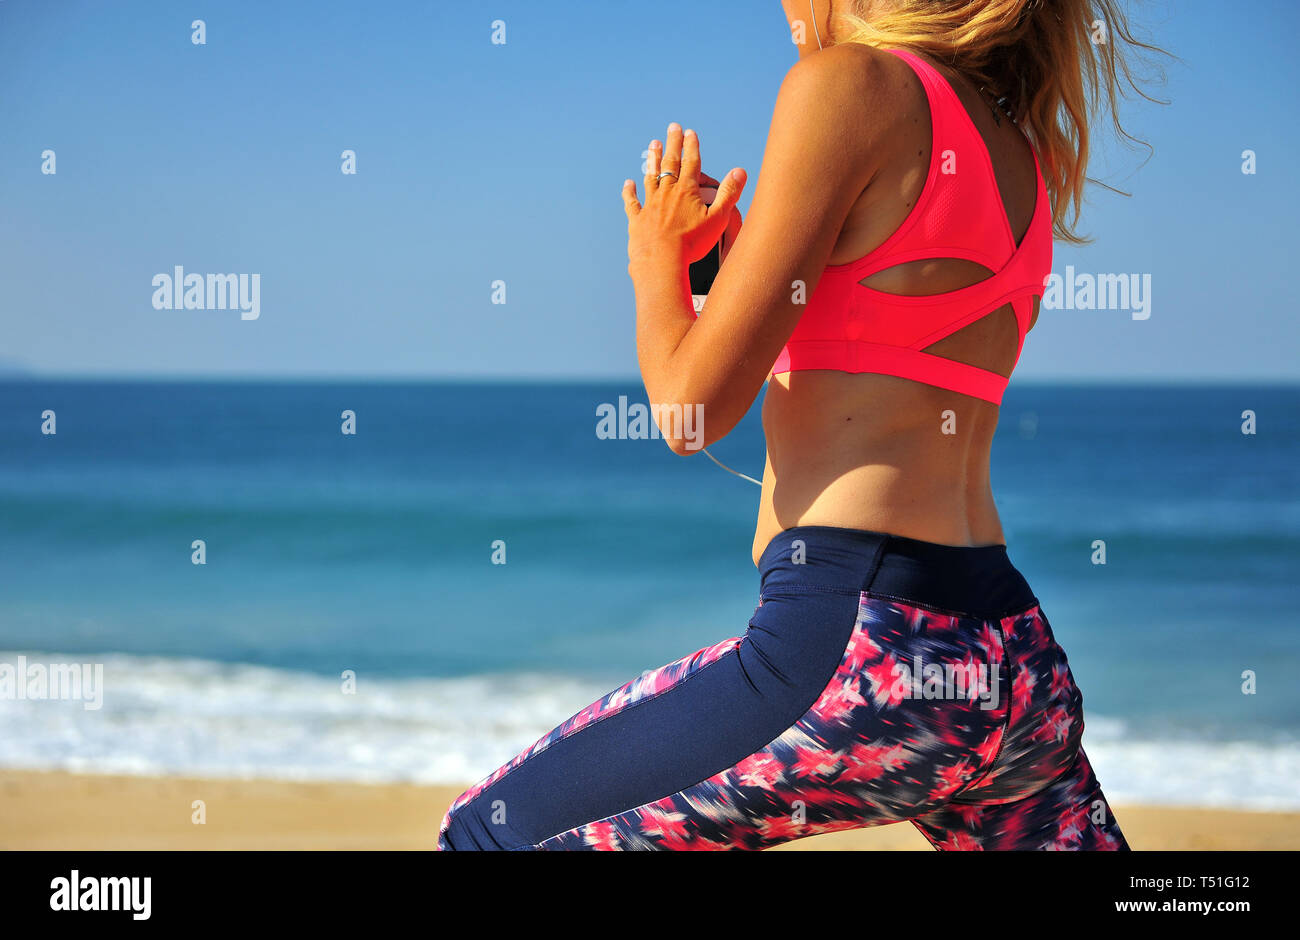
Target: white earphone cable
729	470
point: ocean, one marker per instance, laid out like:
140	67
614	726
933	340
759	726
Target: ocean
349	621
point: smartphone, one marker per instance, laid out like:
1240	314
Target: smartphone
703	272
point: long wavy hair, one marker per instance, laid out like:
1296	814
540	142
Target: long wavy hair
1055	61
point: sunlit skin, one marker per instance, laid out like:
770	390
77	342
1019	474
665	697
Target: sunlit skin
845	161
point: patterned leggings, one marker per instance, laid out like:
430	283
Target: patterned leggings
881	679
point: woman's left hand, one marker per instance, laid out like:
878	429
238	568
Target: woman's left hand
674	221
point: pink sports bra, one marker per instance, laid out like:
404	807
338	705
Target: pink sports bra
848	327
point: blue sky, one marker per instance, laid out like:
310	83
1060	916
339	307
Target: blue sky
478	162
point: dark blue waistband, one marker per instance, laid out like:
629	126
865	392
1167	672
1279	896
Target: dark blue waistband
979	581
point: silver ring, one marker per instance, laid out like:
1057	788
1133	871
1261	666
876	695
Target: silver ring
662	175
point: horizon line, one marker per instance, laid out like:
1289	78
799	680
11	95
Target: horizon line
506	379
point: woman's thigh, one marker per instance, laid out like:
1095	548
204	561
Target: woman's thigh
662	733
799	728
1069	814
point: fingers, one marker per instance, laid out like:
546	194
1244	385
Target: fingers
729	191
672	158
679	155
655	152
630	203
690	162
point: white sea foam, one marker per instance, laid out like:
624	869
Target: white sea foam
199	718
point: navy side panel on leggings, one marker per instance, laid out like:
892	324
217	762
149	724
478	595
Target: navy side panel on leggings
718	707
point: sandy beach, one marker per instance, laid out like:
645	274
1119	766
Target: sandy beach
76	811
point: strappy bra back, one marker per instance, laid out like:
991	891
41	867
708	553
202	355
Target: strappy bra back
849	327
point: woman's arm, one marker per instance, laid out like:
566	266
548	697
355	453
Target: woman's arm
816	164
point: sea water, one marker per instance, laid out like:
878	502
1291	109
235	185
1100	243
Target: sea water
351	619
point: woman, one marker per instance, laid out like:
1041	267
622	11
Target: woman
898	666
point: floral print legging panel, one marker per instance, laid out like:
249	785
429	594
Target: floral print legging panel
967	727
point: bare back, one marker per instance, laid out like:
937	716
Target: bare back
889	454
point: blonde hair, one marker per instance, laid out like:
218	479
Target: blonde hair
1053	60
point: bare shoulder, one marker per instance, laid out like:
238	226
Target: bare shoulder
845	69
862	90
